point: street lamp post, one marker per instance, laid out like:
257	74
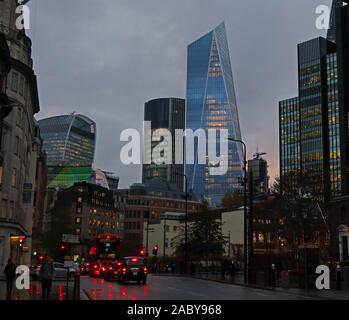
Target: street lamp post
147	235
186	222
246	227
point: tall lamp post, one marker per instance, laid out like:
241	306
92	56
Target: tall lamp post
246	227
185	221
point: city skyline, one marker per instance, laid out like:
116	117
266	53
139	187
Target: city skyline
110	75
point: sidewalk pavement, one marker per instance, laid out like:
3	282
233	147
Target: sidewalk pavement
34	293
312	293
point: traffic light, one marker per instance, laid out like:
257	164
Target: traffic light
155	250
63	249
21	240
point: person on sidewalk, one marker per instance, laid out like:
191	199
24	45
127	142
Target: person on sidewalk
10	272
46	276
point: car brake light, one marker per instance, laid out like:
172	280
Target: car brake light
110	268
95	266
124	270
134	260
145	270
103	269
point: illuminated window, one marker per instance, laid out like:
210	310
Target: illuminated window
260	237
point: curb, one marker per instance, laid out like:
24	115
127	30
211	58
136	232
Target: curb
270	289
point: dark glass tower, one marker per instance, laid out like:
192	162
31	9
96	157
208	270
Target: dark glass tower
331	35
69	140
313	151
289	143
169	114
211	104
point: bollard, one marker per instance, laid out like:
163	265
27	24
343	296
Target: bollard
273	276
76	286
339	278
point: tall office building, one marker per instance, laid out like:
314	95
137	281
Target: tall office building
309	124
331	34
211	105
258	168
289	143
69	140
167	114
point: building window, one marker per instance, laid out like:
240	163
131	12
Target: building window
78	231
1	175
79	200
17	146
14	178
78	220
21	86
260	237
14	83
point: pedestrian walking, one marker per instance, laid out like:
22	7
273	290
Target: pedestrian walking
232	270
46	276
10	272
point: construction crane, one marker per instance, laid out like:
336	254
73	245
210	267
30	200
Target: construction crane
258	155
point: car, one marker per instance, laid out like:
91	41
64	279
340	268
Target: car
132	269
111	271
85	268
60	271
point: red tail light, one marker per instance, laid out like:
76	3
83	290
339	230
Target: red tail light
110	268
145	270
103	269
95	266
124	270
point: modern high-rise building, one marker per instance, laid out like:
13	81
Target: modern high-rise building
69	140
167	114
258	169
319	150
211	105
289	143
331	34
309	124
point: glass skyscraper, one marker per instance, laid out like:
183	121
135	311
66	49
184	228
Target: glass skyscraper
310	140
69	140
211	105
165	114
289	143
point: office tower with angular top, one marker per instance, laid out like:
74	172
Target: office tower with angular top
211	105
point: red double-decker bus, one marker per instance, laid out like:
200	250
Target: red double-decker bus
104	252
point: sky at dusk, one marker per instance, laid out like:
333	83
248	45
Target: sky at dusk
106	58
